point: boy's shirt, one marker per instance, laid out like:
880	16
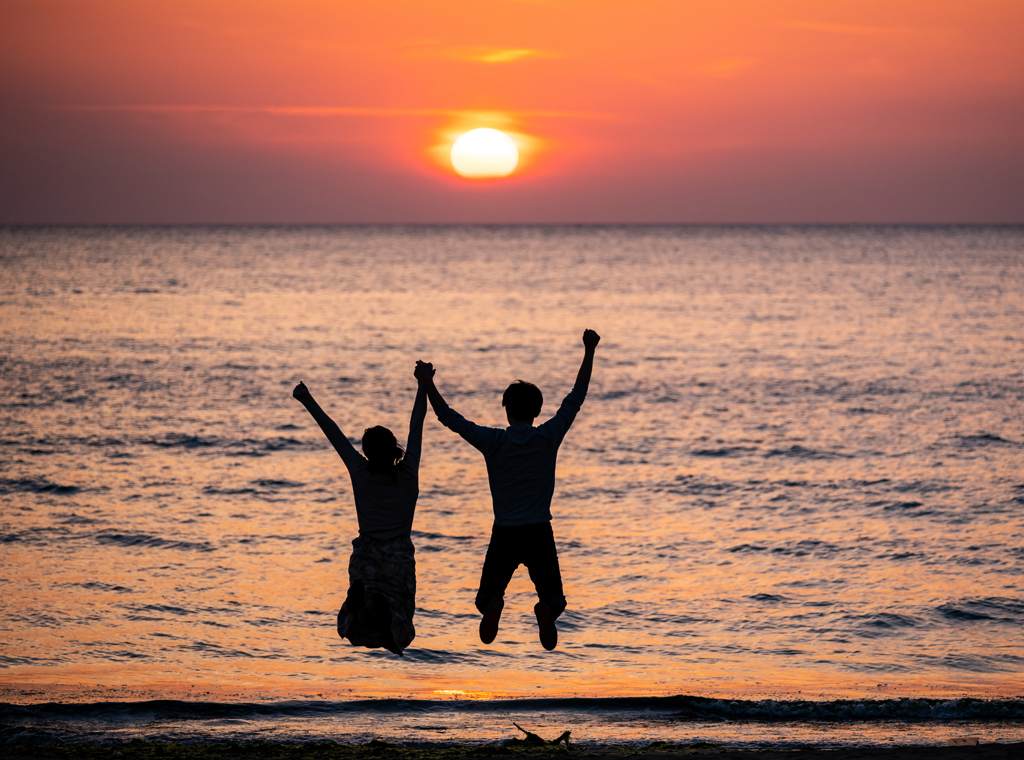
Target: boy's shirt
520	460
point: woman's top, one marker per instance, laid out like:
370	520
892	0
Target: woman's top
385	507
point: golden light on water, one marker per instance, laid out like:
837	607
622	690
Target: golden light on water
462	694
484	152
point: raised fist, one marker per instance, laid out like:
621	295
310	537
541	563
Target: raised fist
301	392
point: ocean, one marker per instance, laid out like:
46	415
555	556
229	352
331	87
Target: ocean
795	490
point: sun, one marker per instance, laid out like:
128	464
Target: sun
484	153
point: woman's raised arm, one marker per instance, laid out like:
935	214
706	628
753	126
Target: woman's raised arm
339	440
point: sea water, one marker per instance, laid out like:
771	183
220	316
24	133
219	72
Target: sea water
798	475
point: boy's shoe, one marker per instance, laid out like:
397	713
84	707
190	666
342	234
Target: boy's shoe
546	626
491	618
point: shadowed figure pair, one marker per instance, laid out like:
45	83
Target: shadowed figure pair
520	461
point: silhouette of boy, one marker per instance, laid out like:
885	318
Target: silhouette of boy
521	471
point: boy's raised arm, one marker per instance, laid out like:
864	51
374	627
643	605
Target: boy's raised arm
476	435
590	341
424	372
558	425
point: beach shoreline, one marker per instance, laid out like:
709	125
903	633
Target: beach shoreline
377	750
457	727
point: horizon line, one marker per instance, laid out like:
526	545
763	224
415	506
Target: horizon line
4	224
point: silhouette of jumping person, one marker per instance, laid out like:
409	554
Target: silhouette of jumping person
521	472
381	600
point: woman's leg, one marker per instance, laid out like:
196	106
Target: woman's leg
392	593
349	612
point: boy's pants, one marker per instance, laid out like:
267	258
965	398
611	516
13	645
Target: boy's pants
515	545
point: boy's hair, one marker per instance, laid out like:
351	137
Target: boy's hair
523	400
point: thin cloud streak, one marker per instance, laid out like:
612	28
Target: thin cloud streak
488	55
324	111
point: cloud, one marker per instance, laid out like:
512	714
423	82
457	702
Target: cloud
506	56
313	111
482	53
269	110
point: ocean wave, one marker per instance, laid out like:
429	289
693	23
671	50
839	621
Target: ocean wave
883	620
213	491
247	445
724	451
995	609
144	540
690	485
797	451
921	486
98	586
168	609
35	485
984	439
612	395
805	547
674	708
900	505
279	443
419	534
748	548
7	661
35	536
75	519
184	441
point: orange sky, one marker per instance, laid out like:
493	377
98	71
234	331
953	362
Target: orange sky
684	111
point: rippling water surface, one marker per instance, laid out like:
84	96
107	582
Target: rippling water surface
799	471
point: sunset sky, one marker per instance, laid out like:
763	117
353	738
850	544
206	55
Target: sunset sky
642	111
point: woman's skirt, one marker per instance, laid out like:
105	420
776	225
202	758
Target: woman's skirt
382	594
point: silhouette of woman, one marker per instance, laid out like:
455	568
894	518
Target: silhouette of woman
381	599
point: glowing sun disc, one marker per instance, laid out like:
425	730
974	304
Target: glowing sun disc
484	153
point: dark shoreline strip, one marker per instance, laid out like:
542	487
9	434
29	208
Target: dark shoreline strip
679	708
377	750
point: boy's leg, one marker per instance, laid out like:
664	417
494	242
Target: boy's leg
541	559
499	565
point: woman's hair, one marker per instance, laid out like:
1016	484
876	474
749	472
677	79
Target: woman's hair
382	450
